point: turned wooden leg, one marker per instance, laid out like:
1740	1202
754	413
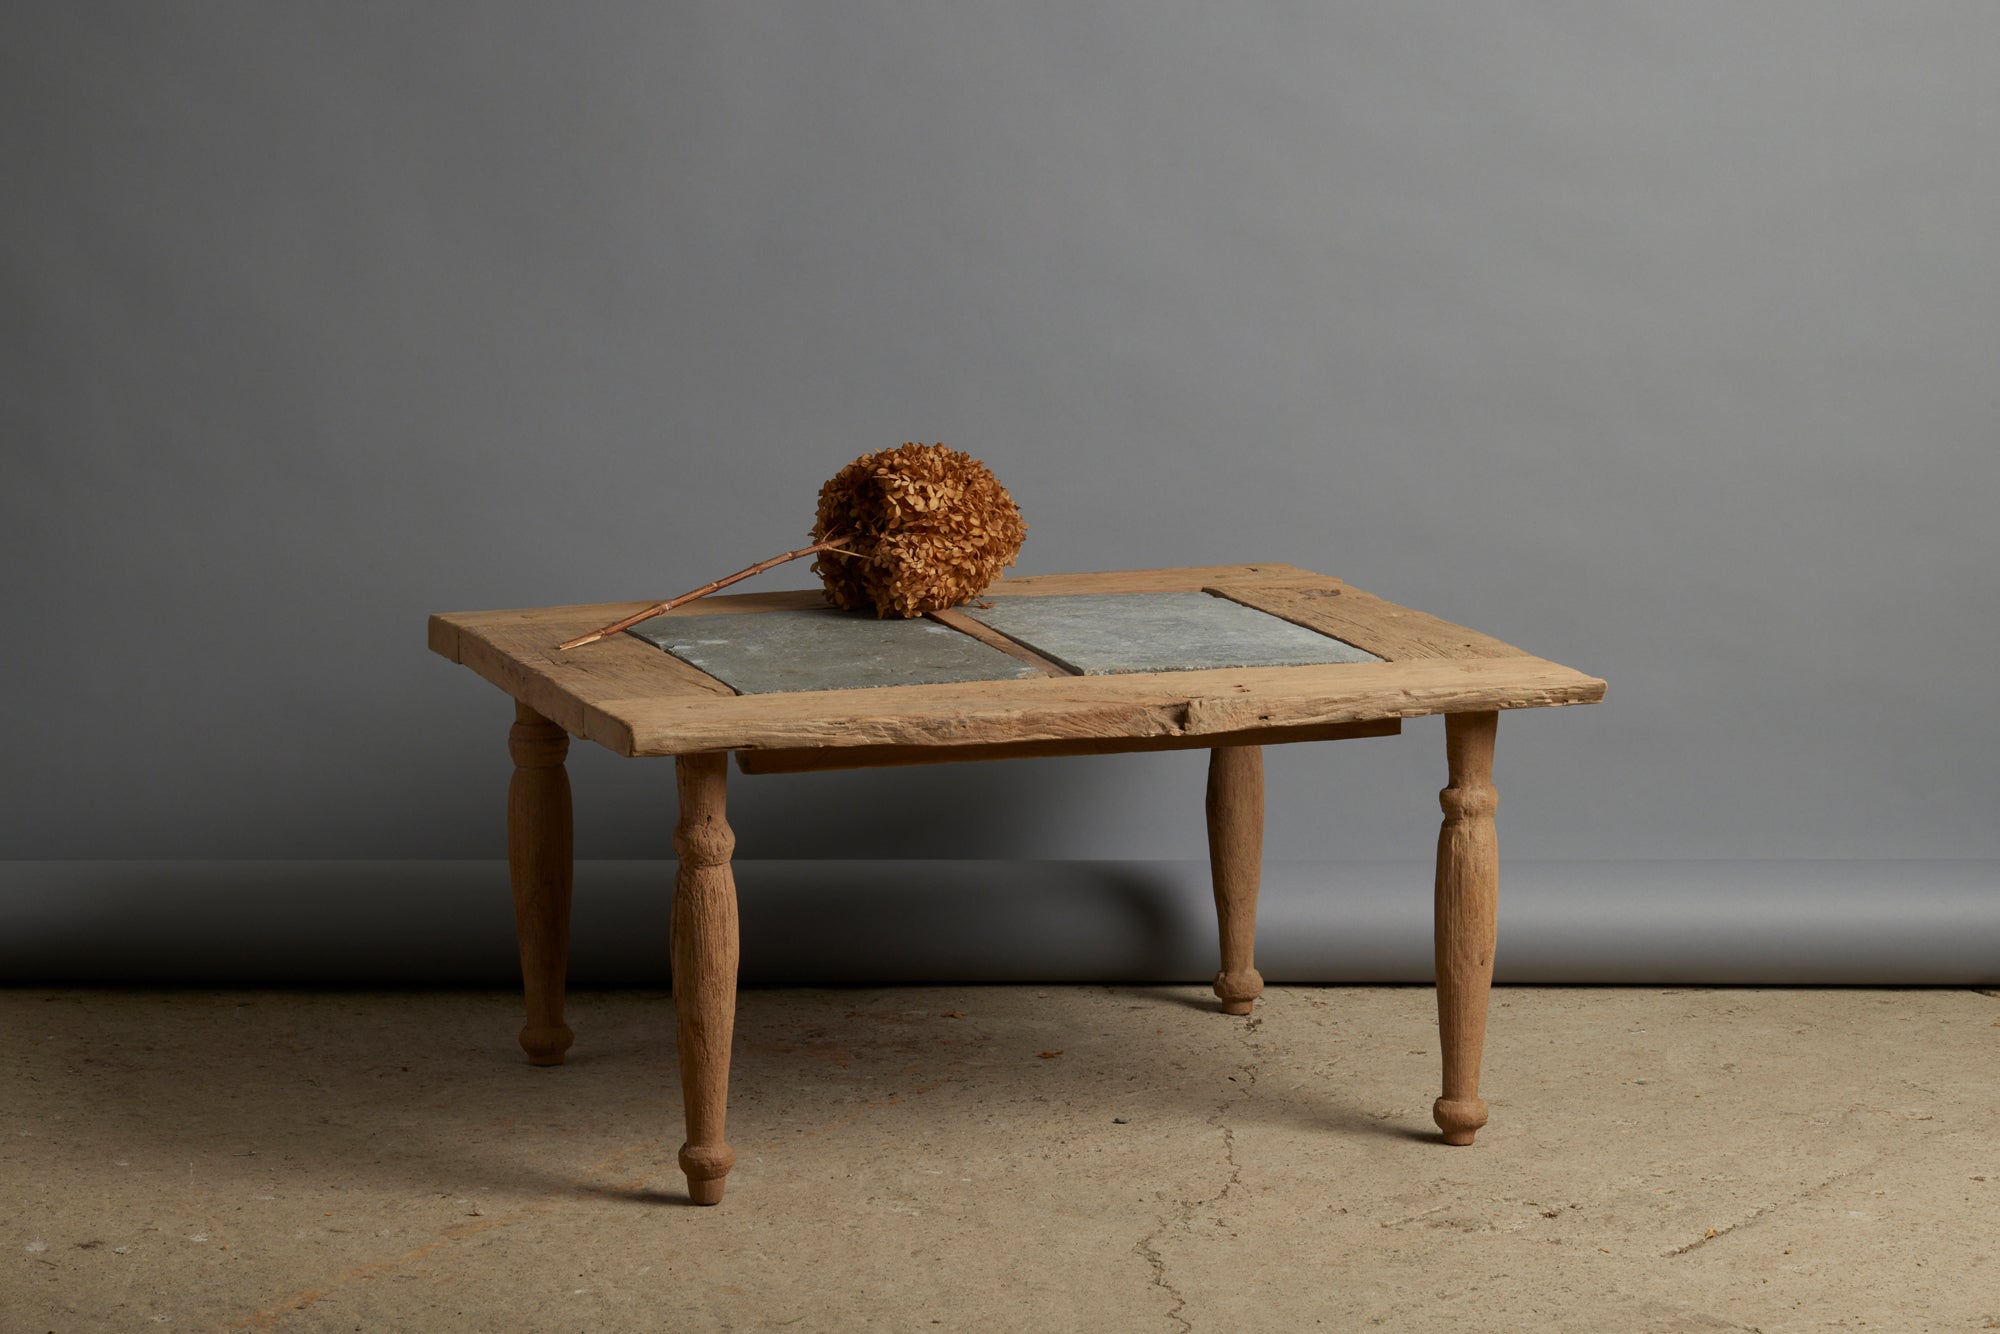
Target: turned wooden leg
705	957
1235	860
539	854
1468	883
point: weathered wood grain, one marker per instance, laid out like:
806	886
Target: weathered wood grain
540	860
1163	704
1235	810
517	654
821	759
1466	920
637	700
706	950
1366	621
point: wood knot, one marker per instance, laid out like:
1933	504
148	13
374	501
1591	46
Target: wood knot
704	843
537	745
706	1162
1473	802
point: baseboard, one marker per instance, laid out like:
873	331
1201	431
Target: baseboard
400	923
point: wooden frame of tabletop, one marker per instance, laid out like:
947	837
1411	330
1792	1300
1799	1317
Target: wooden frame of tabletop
638	700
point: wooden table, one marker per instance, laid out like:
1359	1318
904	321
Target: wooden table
635	699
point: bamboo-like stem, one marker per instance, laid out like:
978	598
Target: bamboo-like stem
825	544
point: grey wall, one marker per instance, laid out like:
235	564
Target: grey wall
1660	339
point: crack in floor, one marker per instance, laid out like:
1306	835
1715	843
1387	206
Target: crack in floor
1150	1253
1764	1211
1147	1247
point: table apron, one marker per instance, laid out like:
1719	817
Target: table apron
817	759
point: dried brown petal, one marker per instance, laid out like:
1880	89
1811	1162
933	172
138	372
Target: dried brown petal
931	528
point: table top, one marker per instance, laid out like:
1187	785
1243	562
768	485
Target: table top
635	698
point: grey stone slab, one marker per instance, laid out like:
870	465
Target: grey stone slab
764	653
1102	634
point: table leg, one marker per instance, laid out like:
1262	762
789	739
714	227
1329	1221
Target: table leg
1468	881
540	859
1235	860
705	958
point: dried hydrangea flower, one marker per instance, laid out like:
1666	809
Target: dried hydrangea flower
902	531
920	528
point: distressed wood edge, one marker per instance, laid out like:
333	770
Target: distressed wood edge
464	637
443	637
544	694
526	686
821	759
1127	707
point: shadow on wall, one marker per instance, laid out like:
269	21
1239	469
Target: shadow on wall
450	923
1032	807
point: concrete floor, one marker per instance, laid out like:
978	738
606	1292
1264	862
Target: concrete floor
1003	1158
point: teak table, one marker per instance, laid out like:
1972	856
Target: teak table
636	699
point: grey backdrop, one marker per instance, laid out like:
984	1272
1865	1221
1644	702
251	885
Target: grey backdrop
1659	339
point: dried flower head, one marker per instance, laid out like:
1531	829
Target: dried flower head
925	527
905	531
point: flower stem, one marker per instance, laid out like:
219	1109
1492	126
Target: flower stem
824	544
